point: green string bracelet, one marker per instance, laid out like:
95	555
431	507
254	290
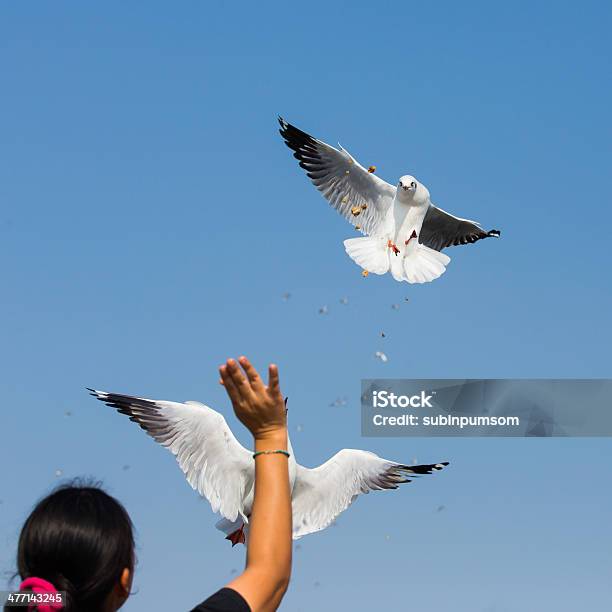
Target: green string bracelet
271	452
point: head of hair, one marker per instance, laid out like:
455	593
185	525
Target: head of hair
80	539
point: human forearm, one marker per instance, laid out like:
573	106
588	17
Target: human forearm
270	524
261	408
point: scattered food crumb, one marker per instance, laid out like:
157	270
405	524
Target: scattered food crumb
356	211
382	334
345	199
364	206
358	227
323	309
364	273
382	356
372	169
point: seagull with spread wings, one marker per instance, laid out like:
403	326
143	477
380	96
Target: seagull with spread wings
223	471
404	232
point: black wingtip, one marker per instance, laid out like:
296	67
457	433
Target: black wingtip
420	470
284	125
494	233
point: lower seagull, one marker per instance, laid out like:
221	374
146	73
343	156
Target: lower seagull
223	471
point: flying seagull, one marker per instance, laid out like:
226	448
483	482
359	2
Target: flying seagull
404	231
223	471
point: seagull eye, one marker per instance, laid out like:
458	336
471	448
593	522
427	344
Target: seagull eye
401	184
413	185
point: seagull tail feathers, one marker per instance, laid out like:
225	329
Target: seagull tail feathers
368	252
227	526
421	264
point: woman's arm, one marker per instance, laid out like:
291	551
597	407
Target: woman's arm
262	410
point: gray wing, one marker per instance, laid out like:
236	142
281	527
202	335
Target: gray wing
322	493
342	180
213	461
441	230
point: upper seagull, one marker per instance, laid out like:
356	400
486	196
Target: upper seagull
404	231
223	471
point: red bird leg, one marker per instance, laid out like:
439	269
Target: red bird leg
413	235
237	537
392	246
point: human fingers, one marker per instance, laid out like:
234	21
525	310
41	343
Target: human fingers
273	379
229	385
252	374
239	381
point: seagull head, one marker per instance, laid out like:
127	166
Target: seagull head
410	191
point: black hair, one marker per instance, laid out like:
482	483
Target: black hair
80	539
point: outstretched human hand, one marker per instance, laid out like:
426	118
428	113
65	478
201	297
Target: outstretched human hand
259	407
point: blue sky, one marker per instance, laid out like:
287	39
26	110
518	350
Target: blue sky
151	220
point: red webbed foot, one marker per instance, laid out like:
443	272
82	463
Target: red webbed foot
237	537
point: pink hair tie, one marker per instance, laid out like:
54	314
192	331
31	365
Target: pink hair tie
38	585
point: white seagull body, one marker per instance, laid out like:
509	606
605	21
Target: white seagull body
223	471
404	231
